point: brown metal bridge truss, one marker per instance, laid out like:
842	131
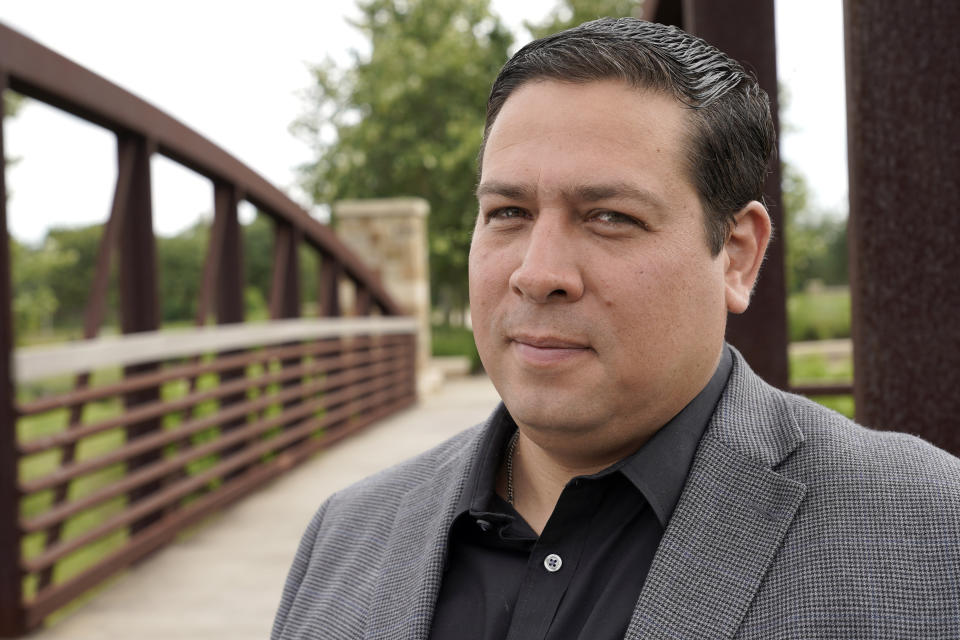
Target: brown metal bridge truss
207	415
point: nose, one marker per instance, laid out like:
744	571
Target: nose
550	269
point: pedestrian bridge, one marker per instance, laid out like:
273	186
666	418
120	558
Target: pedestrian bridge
113	446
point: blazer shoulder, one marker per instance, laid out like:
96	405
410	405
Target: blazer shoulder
896	466
352	539
390	485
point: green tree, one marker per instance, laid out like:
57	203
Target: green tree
816	241
570	13
407	119
180	272
71	283
34	297
257	266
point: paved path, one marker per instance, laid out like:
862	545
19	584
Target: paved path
224	580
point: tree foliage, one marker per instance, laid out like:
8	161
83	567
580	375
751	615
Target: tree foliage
35	300
72	282
816	241
407	119
52	281
180	272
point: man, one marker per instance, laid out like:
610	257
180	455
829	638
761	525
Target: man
639	480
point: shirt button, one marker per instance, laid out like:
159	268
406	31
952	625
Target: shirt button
552	562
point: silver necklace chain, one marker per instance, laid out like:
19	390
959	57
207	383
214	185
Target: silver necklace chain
511	448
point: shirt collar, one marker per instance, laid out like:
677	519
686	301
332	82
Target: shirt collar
658	469
482	480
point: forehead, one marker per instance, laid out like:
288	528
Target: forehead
550	132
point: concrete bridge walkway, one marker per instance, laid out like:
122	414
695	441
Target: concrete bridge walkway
223	580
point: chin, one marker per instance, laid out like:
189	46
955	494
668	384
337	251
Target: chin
549	416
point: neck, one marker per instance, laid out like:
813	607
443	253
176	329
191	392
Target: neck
539	478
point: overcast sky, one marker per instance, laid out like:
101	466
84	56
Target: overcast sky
233	70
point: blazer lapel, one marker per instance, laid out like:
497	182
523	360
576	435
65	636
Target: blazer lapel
410	579
730	521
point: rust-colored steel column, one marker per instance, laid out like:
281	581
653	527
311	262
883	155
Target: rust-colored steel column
92	320
285	294
229	290
364	301
227	249
139	299
744	29
12	620
904	160
329	294
285	289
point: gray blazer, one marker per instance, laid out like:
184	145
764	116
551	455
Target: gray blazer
794	523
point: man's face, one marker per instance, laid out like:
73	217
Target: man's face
597	308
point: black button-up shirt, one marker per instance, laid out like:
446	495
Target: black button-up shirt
582	576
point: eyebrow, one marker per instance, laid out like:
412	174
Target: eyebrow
581	193
505	189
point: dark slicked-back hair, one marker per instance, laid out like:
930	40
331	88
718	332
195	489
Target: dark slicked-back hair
731	137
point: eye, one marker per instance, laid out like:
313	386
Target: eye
615	219
507	213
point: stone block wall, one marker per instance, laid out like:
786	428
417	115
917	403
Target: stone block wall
390	235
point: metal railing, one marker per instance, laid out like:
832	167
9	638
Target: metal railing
112	445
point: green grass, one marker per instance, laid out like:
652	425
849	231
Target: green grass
816	368
812	368
44	463
819	314
455	341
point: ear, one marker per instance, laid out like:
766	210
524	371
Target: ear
744	251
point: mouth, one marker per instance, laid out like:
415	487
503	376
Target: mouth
545	350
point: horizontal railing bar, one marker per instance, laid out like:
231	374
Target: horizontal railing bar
184	487
835	389
155	536
146	444
165	467
158	377
40	73
163	407
36	363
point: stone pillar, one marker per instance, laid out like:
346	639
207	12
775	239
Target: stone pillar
390	235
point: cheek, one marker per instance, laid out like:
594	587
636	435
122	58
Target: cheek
489	267
488	285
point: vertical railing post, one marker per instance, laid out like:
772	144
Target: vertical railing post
229	290
329	294
285	291
92	320
11	578
139	298
364	301
328	297
228	253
